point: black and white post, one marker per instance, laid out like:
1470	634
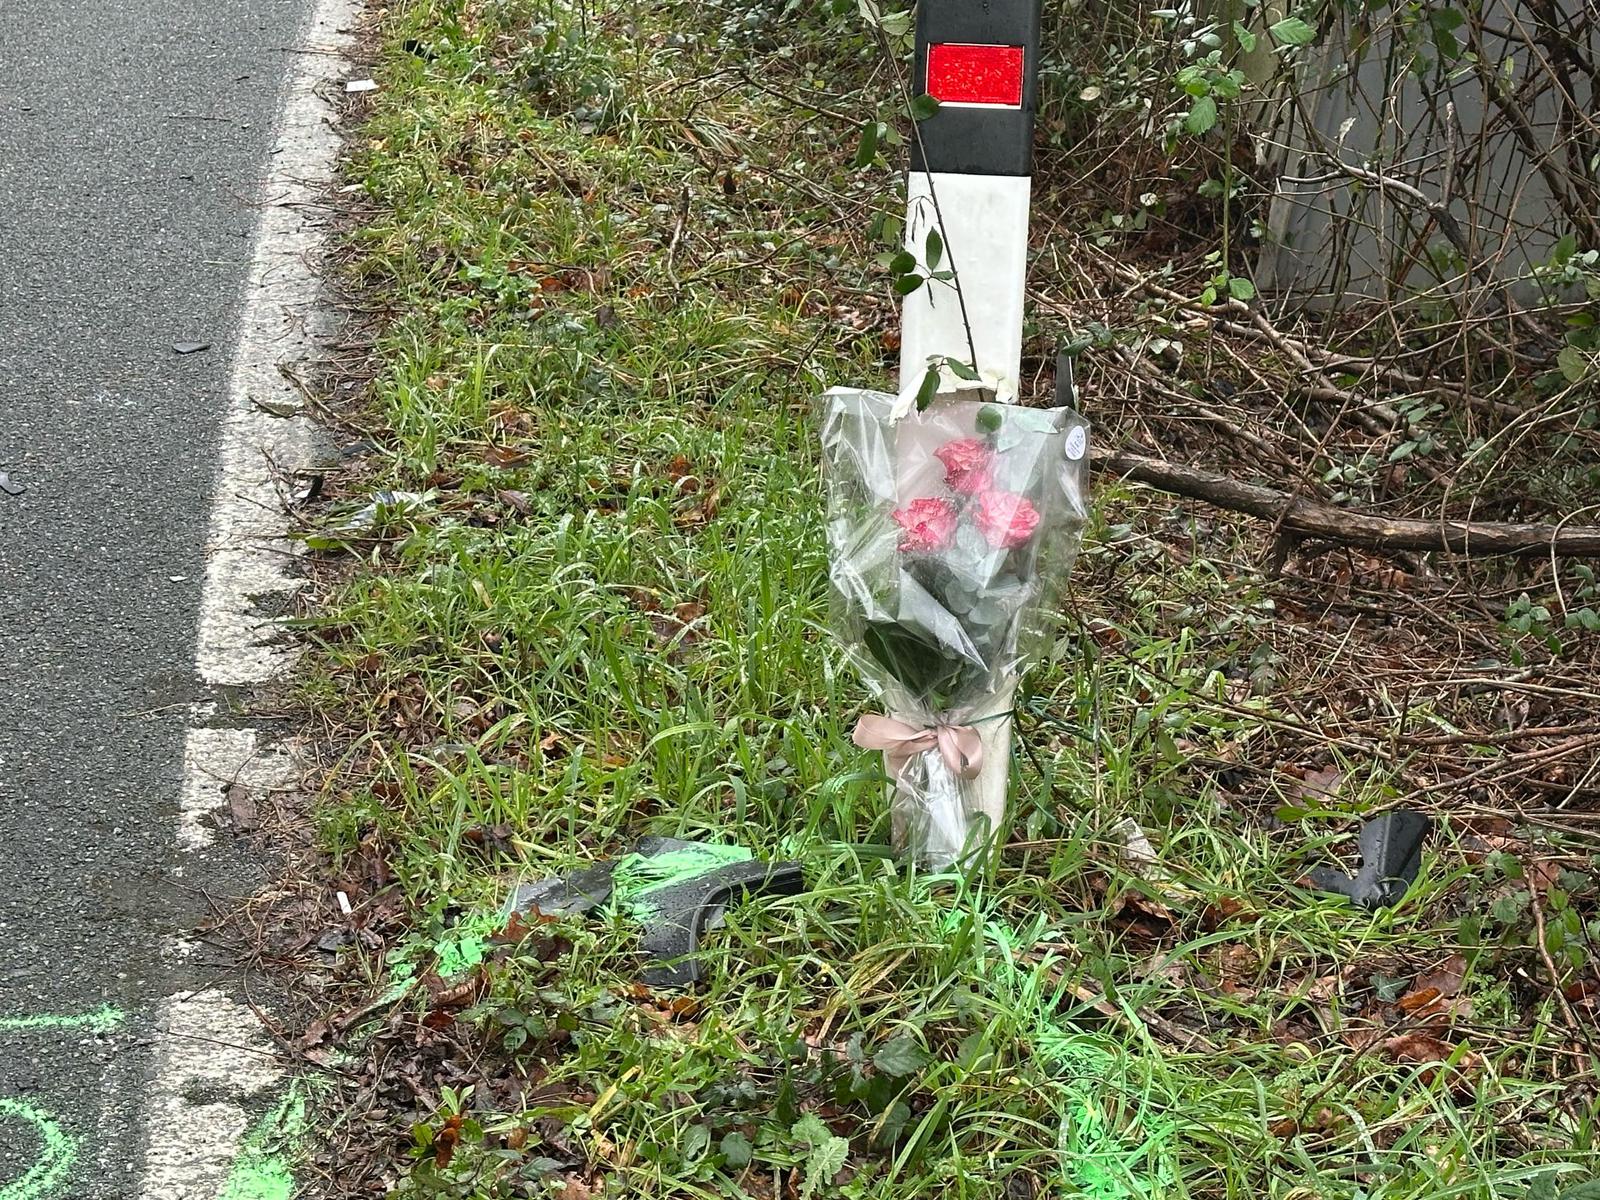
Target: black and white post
971	178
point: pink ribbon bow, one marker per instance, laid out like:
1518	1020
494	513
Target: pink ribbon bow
959	745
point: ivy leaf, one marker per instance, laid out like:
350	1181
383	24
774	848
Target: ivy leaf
1245	35
901	1056
695	1142
867	147
1292	31
923	107
1202	116
736	1149
933	251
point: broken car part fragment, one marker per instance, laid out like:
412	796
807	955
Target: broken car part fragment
1391	857
675	890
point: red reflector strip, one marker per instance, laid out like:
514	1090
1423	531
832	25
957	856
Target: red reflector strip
965	74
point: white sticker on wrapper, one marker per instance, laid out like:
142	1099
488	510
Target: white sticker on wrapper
1077	443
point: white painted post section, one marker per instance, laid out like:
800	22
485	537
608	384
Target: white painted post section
985	232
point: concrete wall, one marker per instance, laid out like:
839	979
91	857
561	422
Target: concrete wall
1340	239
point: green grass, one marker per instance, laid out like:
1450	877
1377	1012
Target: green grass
607	619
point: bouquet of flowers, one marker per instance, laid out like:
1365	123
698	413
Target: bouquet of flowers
950	535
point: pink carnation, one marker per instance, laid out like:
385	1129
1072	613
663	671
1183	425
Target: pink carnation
928	524
967	465
1005	519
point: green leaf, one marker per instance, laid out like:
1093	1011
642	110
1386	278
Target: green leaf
1202	116
928	390
1389	988
822	1164
933	250
1229	86
923	107
1508	909
1245	35
1584	1191
867	147
736	1149
696	1140
810	1130
1574	364
901	1056
903	263
1241	289
962	370
1292	31
904	285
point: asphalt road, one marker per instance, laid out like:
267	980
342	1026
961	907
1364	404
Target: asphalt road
132	135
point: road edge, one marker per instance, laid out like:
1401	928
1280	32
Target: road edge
214	1066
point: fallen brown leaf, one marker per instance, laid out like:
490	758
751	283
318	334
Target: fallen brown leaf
1417	1048
242	809
505	457
444	1141
1322	785
516	501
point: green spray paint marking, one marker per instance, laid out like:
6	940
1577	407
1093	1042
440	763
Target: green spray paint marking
56	1152
1099	1164
635	877
466	944
262	1170
102	1020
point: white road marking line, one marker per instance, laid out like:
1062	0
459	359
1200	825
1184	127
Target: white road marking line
214	760
211	1071
213	1062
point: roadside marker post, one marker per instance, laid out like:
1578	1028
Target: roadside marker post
971	177
971	164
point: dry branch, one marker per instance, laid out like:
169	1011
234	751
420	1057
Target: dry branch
1297	515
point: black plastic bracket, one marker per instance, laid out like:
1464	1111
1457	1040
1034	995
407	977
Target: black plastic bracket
1391	857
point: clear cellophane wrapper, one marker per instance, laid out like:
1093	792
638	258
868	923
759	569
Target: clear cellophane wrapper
951	533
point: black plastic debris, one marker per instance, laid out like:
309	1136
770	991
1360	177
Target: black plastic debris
565	895
684	912
1391	857
675	890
